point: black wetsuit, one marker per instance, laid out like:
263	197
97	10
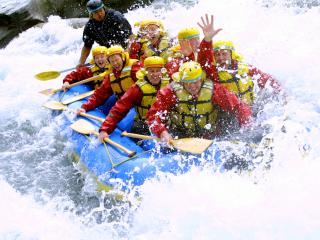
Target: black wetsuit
114	29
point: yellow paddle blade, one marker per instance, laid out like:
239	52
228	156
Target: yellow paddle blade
192	145
45	76
84	127
53	105
78	97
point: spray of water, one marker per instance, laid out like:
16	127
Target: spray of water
45	197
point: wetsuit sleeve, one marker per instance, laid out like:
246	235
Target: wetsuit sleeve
134	50
78	75
264	79
134	69
158	114
131	98
229	102
87	36
99	96
173	66
205	58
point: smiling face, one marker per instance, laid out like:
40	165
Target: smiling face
116	62
100	60
99	15
193	88
152	32
154	75
223	58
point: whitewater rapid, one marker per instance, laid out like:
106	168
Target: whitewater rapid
44	196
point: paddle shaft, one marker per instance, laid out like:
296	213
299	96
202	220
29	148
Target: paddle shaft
139	136
99	119
78	83
117	145
97	77
77	98
69	69
59	106
181	144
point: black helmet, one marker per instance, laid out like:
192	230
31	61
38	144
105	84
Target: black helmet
94	5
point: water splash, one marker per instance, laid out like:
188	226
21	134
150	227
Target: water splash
280	203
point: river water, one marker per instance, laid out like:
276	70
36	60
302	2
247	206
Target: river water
44	195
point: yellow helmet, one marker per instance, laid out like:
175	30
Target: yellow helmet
115	49
148	22
99	50
189	72
188	33
224	44
154	61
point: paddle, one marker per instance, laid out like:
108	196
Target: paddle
45	76
190	145
84	127
77	98
51	91
53	105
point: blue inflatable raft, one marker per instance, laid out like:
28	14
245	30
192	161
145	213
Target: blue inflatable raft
111	167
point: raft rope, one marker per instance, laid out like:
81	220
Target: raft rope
62	95
114	165
109	155
128	159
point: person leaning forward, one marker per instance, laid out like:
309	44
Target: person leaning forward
190	105
106	27
99	65
141	96
122	77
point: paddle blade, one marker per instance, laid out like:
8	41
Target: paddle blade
45	76
192	145
54	105
82	126
48	92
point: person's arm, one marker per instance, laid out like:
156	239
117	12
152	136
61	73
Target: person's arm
131	98
134	49
78	75
173	66
229	102
84	55
99	96
205	57
134	69
264	79
88	41
159	112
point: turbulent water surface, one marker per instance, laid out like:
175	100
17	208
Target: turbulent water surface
44	196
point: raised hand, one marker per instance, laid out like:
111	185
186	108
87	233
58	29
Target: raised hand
208	28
